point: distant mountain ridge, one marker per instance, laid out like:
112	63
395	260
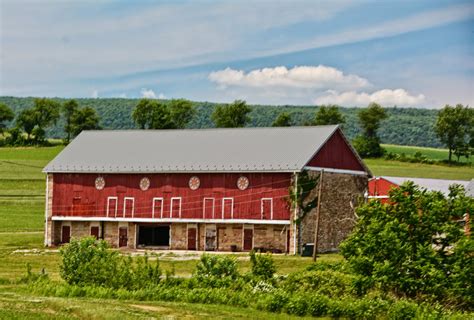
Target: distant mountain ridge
405	126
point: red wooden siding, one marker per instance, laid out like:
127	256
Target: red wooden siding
380	187
76	195
337	154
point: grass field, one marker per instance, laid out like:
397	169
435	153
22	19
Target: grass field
430	153
22	188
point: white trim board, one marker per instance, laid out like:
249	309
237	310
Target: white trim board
333	170
175	220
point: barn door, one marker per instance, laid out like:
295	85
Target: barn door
123	236
66	234
95	232
248	239
211	238
192	238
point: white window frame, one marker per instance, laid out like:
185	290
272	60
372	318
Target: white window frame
271	207
171	207
125	205
108	206
204	207
162	205
231	207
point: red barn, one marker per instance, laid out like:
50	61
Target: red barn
212	189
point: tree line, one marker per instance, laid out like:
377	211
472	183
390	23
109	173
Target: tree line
30	124
453	125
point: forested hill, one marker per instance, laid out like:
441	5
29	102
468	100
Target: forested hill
405	126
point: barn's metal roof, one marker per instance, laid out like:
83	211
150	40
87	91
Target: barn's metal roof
429	184
470	188
198	150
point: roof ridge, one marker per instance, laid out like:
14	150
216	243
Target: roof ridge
211	129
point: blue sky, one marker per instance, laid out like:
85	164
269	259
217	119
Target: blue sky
404	53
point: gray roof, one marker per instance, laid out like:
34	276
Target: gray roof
195	150
470	188
429	184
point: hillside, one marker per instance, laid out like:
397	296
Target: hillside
405	126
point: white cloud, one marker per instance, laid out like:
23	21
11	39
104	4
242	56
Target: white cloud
385	97
95	94
148	93
122	95
161	96
303	77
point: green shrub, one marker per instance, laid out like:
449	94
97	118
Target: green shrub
328	282
368	147
91	262
263	265
413	246
216	271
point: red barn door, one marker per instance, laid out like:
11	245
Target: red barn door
248	239
192	238
123	236
66	234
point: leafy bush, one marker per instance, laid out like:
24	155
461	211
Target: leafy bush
91	262
413	245
328	282
368	147
263	265
216	271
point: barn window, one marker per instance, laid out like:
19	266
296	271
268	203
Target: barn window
267	208
227	208
208	208
128	207
157	208
176	207
112	207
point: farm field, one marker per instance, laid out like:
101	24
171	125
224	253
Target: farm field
430	153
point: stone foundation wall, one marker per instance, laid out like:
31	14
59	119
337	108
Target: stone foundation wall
179	236
270	237
337	215
229	235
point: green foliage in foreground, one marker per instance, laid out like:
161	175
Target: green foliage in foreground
323	289
414	246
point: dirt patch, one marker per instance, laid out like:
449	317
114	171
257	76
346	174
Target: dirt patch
150	308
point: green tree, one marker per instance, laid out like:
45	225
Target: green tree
329	115
69	109
161	117
6	115
234	115
46	114
142	113
182	112
368	144
283	120
454	127
27	121
84	119
413	245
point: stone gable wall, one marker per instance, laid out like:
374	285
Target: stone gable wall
337	215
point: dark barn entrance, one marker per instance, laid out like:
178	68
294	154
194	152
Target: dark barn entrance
156	236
